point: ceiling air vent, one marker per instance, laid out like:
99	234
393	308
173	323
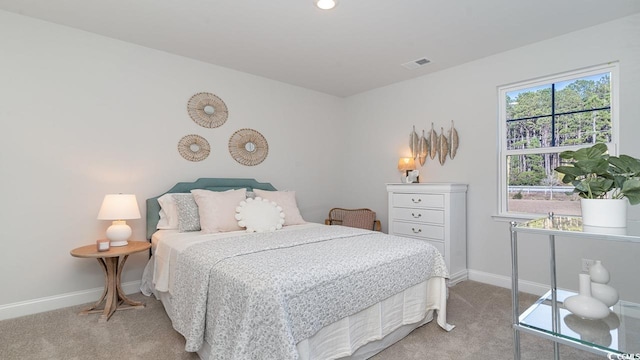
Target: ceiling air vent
416	63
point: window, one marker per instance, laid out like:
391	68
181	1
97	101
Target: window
541	118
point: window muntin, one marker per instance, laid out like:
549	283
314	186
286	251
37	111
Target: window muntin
538	120
582	106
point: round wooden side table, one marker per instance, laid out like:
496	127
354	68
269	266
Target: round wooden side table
111	261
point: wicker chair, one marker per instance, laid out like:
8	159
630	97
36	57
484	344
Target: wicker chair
359	218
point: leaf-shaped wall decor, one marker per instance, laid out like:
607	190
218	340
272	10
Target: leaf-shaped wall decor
443	147
414	143
433	142
423	149
453	141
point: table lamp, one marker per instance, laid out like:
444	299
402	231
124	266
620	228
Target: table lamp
119	207
406	165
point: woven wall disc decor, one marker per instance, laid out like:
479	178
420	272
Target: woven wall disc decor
207	110
248	147
194	147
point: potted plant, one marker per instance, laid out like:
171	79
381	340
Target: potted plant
598	176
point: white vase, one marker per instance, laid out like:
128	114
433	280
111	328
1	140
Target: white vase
583	304
599	273
605	293
604	212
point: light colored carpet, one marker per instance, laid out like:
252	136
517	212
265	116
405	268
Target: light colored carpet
481	313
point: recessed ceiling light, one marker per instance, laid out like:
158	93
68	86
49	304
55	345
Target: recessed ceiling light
326	4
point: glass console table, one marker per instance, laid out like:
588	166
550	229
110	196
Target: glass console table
619	333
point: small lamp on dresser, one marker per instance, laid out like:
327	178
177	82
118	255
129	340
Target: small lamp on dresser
119	208
405	165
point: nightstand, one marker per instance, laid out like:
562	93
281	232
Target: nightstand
111	262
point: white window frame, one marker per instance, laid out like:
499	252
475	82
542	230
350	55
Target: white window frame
503	152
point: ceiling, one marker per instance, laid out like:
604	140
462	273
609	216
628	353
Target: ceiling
357	46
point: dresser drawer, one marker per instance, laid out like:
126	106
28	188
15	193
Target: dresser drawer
418	230
418	214
418	200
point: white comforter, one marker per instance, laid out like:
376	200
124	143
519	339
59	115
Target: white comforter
260	294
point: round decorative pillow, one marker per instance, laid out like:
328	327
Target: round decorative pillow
259	215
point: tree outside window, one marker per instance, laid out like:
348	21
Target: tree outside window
538	120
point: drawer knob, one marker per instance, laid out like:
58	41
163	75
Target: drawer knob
416	216
416	201
416	231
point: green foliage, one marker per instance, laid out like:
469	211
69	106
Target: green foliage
596	175
532	178
580	117
534	107
517	196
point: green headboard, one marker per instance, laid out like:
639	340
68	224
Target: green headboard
213	184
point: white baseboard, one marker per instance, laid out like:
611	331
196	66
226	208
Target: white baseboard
48	303
459	276
505	282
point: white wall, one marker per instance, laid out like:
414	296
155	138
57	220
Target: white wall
381	120
83	115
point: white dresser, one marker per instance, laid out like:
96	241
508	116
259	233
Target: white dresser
434	212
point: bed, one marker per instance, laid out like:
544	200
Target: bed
303	291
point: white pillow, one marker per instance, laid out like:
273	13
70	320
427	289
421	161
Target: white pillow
259	215
287	200
217	209
168	212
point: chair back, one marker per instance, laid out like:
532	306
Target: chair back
358	218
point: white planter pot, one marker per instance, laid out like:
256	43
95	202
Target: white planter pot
604	212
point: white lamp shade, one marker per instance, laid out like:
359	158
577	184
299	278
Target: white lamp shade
119	207
406	164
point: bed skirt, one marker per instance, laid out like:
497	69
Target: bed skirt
365	333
